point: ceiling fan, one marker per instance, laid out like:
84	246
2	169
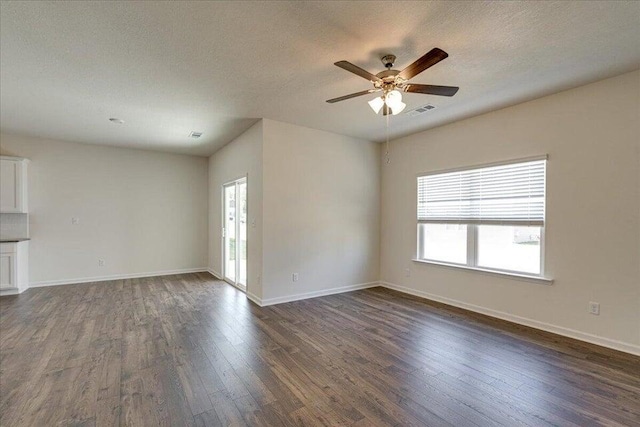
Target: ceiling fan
392	82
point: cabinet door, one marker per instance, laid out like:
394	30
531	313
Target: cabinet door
8	270
11	186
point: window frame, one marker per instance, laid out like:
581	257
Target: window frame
472	233
472	252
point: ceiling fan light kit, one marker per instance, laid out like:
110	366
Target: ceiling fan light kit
392	82
376	104
393	100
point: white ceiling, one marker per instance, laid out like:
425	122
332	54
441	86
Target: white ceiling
168	68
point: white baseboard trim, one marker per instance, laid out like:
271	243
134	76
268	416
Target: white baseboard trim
559	330
314	294
115	277
214	273
255	298
13	291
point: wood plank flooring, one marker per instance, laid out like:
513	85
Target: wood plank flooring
191	350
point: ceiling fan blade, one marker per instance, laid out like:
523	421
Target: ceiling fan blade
431	89
346	65
352	95
429	59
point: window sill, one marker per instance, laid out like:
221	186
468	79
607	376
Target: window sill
517	276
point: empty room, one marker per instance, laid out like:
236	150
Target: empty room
322	213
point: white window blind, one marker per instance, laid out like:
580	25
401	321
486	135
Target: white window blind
510	194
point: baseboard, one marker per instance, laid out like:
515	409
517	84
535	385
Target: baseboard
214	273
255	298
115	277
559	330
324	292
13	291
252	297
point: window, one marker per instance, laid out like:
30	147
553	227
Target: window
446	242
490	217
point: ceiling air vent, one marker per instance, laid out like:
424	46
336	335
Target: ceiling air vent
420	110
195	134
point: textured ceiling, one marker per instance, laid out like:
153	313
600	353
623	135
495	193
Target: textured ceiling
168	68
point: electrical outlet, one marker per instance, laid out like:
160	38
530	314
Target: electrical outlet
75	221
407	272
100	263
294	277
594	308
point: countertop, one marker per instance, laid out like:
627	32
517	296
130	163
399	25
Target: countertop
14	239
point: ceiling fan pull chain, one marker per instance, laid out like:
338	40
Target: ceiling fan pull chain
388	159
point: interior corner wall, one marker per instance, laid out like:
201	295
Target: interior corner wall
321	205
142	212
592	243
242	157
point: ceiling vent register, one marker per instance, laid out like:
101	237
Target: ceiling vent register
420	110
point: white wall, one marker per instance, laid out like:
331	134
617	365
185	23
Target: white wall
314	199
321	211
592	137
140	211
241	157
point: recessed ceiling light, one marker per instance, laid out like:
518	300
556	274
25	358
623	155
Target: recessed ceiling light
195	134
115	120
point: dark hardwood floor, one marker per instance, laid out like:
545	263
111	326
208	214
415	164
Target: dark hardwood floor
190	350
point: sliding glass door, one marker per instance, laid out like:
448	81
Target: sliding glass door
234	233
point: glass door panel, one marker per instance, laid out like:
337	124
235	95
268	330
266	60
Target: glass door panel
242	234
235	233
229	232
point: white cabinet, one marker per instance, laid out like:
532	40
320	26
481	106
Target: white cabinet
14	270
7	270
13	185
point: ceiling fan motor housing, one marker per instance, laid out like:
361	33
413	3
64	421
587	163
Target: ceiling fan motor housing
388	60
